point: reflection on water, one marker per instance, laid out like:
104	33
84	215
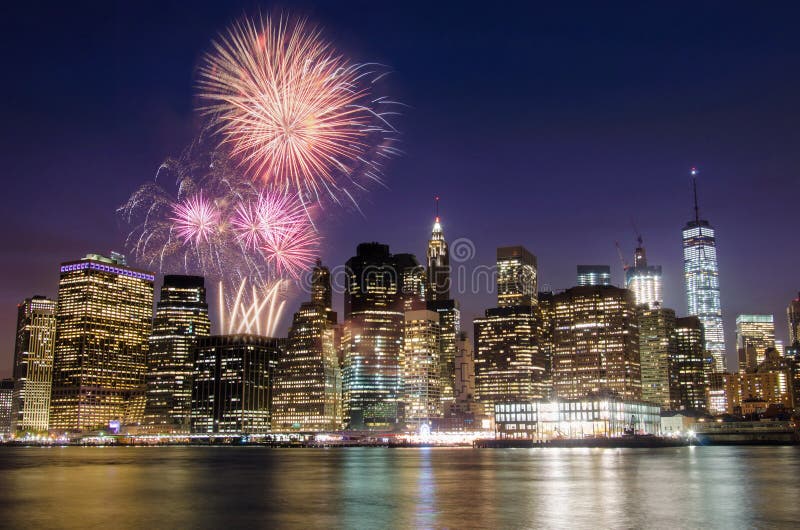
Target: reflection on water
209	487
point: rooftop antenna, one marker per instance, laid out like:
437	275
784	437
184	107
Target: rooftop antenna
694	189
436	206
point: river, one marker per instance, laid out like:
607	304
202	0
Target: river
216	487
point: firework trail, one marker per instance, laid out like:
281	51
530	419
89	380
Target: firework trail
298	116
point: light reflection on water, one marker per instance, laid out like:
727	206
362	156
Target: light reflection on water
212	487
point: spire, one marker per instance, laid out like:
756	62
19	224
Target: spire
437	226
694	189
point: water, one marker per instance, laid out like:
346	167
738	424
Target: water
215	487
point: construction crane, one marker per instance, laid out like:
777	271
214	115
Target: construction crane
624	263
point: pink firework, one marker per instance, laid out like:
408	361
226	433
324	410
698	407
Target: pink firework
293	248
297	114
195	219
271	215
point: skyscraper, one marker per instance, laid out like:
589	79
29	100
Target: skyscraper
793	318
6	397
438	262
596	343
464	373
644	280
103	323
516	277
754	335
702	281
181	318
656	348
308	380
509	365
232	383
33	364
422	386
594	275
449	328
411	281
688	381
438	300
372	339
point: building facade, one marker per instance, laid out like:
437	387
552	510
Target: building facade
308	381
701	274
644	280
509	366
33	364
6	397
601	417
516	277
755	334
181	319
103	324
438	277
689	366
793	320
422	385
372	339
232	384
657	346
595	343
594	275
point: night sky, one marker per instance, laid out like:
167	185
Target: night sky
557	129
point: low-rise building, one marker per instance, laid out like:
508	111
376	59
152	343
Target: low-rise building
580	418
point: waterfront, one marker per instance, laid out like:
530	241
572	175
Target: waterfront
214	487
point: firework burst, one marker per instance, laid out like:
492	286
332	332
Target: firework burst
293	249
195	220
297	115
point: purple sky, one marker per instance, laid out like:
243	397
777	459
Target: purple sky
537	126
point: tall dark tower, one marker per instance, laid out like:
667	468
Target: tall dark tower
181	319
372	339
438	262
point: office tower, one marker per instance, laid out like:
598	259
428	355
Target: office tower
594	275
688	366
545	335
6	396
33	364
372	339
422	386
508	363
449	328
754	335
644	280
438	262
595	343
702	281
232	383
780	348
464	373
516	277
308	380
656	348
793	318
181	318
103	323
410	281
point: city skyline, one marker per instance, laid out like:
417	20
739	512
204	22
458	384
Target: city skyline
443	152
